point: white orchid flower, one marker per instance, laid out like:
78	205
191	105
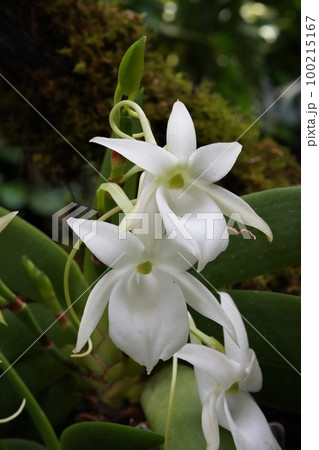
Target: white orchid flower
146	292
183	180
224	382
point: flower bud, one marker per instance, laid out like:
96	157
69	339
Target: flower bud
131	69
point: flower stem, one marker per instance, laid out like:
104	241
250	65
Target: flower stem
137	112
35	411
170	403
207	340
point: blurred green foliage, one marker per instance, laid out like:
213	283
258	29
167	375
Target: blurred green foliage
241	46
238	44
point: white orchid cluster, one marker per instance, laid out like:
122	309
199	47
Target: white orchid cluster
147	288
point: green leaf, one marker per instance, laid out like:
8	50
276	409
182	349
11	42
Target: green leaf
247	258
272	322
36	367
21	444
186	430
107	436
21	238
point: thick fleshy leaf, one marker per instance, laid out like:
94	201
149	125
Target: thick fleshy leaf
247	423
21	238
203	301
215	364
246	258
121	251
233	206
181	137
273	326
194	221
95	306
50	382
212	162
150	157
21	444
104	435
148	317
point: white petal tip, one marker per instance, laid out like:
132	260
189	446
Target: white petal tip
270	238
96	140
200	266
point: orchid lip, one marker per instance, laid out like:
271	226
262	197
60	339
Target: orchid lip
176	182
145	268
233	389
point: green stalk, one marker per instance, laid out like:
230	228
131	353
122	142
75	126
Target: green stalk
35	411
208	340
6	292
171	402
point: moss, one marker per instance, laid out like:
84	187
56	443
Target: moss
75	51
286	281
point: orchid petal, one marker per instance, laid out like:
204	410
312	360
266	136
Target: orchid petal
247	423
209	420
171	258
238	352
213	363
212	162
203	301
254	379
5	220
205	384
181	137
194	221
241	353
95	306
148	317
120	251
174	223
150	157
141	215
230	204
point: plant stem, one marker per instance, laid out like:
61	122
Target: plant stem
34	409
170	402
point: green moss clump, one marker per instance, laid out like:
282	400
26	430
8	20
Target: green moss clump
66	57
286	281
